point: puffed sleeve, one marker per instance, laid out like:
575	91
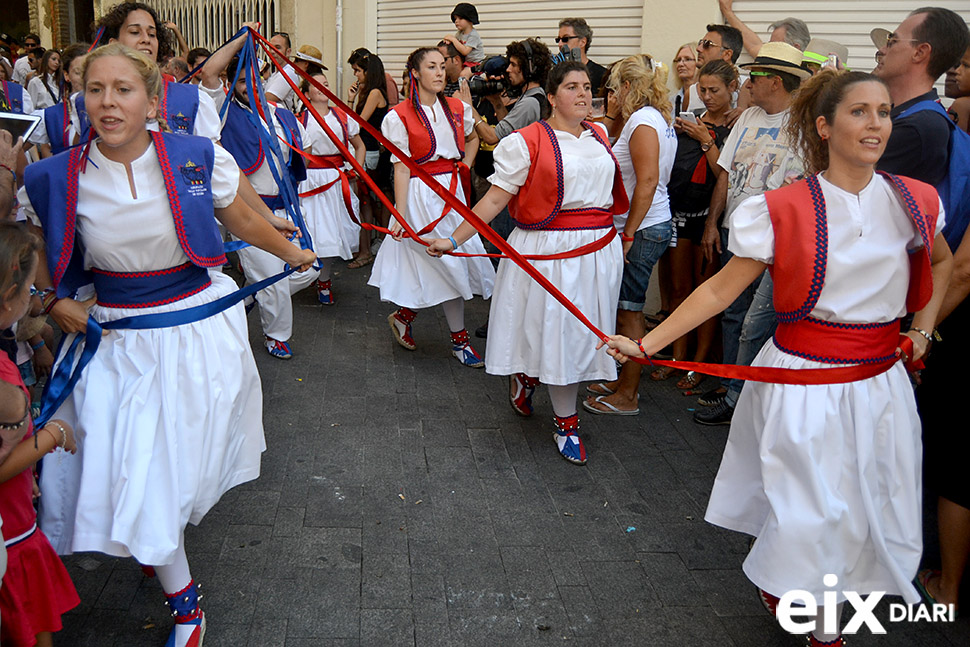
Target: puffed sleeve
217	95
39	136
353	128
512	163
225	178
751	234
207	122
468	118
393	128
26	208
917	241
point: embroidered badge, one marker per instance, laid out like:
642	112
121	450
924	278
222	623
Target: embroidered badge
180	123
194	176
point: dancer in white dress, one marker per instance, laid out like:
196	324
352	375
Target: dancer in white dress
166	419
437	132
827	477
326	197
531	337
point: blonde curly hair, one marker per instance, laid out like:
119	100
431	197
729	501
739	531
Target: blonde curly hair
647	79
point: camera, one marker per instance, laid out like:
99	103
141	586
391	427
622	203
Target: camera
482	85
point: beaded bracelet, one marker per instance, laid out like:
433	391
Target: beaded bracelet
640	346
925	334
63	433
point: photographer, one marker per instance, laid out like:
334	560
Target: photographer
529	64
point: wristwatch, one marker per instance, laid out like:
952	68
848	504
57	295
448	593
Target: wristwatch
706	147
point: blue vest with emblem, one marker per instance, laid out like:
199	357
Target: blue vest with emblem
180	106
240	138
186	162
15	96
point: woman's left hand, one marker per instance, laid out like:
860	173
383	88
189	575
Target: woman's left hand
397	231
438	246
619	347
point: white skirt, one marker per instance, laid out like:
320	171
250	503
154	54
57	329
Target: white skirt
330	226
827	477
408	277
166	421
530	332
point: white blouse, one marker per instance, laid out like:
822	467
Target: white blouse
393	128
588	168
130	233
869	235
319	143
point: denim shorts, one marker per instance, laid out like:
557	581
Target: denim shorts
649	244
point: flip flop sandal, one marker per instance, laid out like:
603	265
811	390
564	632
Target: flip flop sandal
921	579
599	388
610	409
690	380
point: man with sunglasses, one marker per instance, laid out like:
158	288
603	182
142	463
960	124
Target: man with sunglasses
21	67
575	33
721	42
910	60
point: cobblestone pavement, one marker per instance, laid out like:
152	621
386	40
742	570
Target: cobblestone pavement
402	502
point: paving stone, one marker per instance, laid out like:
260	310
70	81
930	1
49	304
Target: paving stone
509	546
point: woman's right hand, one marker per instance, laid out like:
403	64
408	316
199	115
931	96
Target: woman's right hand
72	315
619	347
697	131
438	246
352	90
303	259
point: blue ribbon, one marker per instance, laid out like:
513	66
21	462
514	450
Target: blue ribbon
66	374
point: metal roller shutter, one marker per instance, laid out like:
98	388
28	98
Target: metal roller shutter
844	21
405	25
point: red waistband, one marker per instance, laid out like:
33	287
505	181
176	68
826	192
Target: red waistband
838	343
325	161
591	218
440	166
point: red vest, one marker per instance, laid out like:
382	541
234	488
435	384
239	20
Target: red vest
539	201
421	139
801	253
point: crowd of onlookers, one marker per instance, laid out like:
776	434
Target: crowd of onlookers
719	137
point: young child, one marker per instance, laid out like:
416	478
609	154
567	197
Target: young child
466	40
36	588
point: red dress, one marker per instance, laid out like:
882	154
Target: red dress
36	588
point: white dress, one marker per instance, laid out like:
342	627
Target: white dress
325	214
403	271
166	419
827	477
528	330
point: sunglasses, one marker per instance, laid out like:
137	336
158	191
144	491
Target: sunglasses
892	39
707	44
684	60
760	73
565	39
280	33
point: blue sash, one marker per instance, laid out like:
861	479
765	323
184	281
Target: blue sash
149	289
15	96
179	107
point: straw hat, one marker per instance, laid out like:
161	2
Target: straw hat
780	57
311	54
819	50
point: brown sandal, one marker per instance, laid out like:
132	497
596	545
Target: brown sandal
663	373
360	261
690	380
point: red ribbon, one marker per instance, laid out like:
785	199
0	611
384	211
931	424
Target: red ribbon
776	375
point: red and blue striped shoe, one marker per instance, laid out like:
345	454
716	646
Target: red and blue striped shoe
812	641
324	293
463	351
278	349
568	441
521	389
189	629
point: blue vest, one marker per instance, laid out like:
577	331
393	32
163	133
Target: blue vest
57	124
186	161
240	138
15	96
179	107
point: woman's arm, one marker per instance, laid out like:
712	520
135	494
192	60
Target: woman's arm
402	177
471	148
712	297
645	153
246	224
487	208
360	151
374	98
959	286
26	453
926	319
